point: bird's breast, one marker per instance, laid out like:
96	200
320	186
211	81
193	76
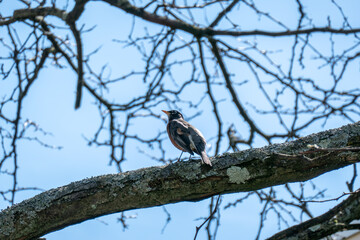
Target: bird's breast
172	139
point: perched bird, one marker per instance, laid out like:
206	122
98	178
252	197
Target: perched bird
186	137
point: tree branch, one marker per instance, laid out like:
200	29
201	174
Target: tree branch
232	91
208	31
184	181
125	5
335	220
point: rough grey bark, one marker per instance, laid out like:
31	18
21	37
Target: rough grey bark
248	170
335	220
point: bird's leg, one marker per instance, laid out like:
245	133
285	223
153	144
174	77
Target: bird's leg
180	156
189	156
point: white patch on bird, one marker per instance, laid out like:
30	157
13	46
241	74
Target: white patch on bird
198	132
237	174
179	131
208	146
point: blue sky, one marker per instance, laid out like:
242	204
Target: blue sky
50	104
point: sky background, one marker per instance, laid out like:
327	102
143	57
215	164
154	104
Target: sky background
50	104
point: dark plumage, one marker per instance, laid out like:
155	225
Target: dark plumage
186	137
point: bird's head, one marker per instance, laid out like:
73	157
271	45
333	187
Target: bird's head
173	114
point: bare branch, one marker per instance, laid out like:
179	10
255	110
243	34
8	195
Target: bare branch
243	171
331	222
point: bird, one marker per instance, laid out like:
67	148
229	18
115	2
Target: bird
186	137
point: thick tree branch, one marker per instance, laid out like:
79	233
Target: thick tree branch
336	219
30	13
185	181
208	31
76	12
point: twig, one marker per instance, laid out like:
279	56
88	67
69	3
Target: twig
332	199
350	184
168	219
209	217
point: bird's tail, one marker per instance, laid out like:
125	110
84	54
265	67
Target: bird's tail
205	158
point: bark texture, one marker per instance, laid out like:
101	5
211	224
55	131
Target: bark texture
247	170
337	219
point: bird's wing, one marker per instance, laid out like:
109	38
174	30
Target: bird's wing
200	144
180	132
198	139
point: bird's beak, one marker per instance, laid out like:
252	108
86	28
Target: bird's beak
167	113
